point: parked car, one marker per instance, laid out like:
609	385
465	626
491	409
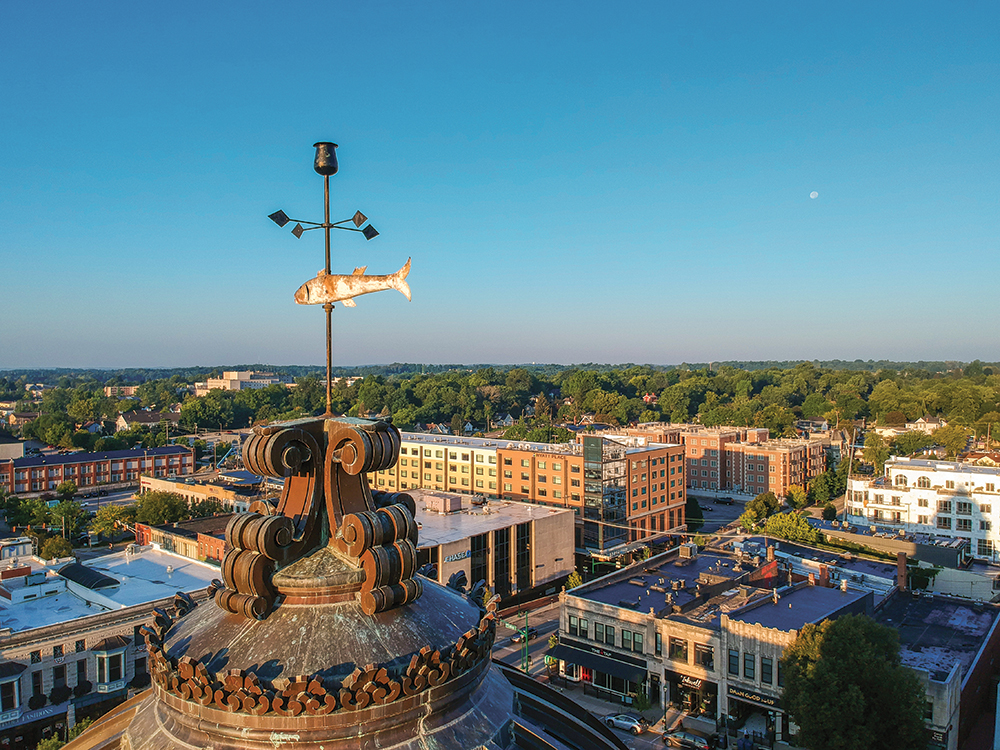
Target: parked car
532	634
724	500
628	722
687	740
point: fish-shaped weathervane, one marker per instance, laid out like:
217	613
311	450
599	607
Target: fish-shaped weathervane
327	287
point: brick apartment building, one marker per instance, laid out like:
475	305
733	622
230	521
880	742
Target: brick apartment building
45	473
738	459
120	391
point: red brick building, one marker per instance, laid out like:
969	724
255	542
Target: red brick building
45	473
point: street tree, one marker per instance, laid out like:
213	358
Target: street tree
207	507
829	512
846	688
66	489
56	546
797	496
110	519
158	507
574	580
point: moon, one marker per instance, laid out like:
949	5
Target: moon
814	195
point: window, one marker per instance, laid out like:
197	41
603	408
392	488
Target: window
986	509
584	628
963	524
923	520
659	644
627	639
109	667
734	662
950	484
929	711
986	548
766	669
574	625
678	649
704	656
985	525
81	671
963	508
923	483
541	464
943	522
59	676
922	502
637	642
57	652
36	657
609	635
900	480
990	487
749	665
599	631
10	695
36	683
525	463
944	506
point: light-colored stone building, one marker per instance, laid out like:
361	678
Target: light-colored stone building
517	548
943	498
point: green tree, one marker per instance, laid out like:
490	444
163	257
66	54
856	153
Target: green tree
159	507
66	489
911	442
56	546
791	526
36	512
109	519
952	438
207	507
847	690
574	580
876	451
758	510
797	496
829	512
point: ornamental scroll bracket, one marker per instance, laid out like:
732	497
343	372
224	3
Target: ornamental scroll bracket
325	501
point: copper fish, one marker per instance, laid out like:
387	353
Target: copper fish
340	288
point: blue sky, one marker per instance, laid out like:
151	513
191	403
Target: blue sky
576	182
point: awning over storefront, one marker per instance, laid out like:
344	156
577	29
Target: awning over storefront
598	663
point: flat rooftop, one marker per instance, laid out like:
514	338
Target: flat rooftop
930	464
755	546
472	520
141	577
936	632
798	607
80	458
882	531
645	585
455	440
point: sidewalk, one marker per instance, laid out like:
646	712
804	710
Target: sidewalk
601	708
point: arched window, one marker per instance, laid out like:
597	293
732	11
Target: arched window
900	480
923	482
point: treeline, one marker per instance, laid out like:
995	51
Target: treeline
773	398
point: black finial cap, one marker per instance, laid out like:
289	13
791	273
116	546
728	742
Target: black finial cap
326	158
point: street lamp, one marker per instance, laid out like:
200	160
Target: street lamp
326	164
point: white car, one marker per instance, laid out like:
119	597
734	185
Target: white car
628	722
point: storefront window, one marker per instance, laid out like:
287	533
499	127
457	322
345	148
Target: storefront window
679	649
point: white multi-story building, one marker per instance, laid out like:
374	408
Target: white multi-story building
944	498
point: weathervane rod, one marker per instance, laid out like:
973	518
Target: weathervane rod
328	307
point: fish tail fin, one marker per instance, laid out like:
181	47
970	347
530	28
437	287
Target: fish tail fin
399	280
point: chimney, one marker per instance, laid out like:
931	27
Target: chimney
770	553
901	571
812	579
824	576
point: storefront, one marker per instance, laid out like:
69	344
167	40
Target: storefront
755	712
693	695
612	676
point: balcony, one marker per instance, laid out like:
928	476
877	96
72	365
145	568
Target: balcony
111	687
